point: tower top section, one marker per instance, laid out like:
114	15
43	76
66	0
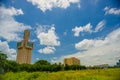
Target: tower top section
26	34
25	43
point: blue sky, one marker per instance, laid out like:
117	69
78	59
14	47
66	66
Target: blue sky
86	29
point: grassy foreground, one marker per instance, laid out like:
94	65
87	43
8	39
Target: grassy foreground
99	74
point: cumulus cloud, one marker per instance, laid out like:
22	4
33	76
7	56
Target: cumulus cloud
94	43
10	29
47	50
88	28
49	4
99	51
10	52
10	11
114	11
47	36
85	44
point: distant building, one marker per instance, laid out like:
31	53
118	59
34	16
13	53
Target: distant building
71	61
25	48
102	66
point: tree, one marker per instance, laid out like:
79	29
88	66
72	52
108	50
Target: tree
41	65
7	65
3	58
42	62
66	67
25	67
12	66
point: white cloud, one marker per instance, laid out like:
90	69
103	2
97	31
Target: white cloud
114	11
100	26
96	43
10	11
9	28
54	60
79	6
47	36
86	28
10	52
99	51
49	4
47	50
37	58
85	44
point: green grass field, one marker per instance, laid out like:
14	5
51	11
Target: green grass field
99	74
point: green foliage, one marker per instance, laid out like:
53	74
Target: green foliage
42	62
1	70
41	65
3	56
96	74
11	66
74	67
43	70
25	67
55	67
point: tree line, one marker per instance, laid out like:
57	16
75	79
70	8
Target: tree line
40	65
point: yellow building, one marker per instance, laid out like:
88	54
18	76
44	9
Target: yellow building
71	61
25	48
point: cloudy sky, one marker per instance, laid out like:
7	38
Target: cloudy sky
85	29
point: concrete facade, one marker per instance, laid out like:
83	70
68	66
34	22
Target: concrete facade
71	61
25	48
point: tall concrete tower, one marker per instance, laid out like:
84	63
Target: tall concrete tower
25	48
